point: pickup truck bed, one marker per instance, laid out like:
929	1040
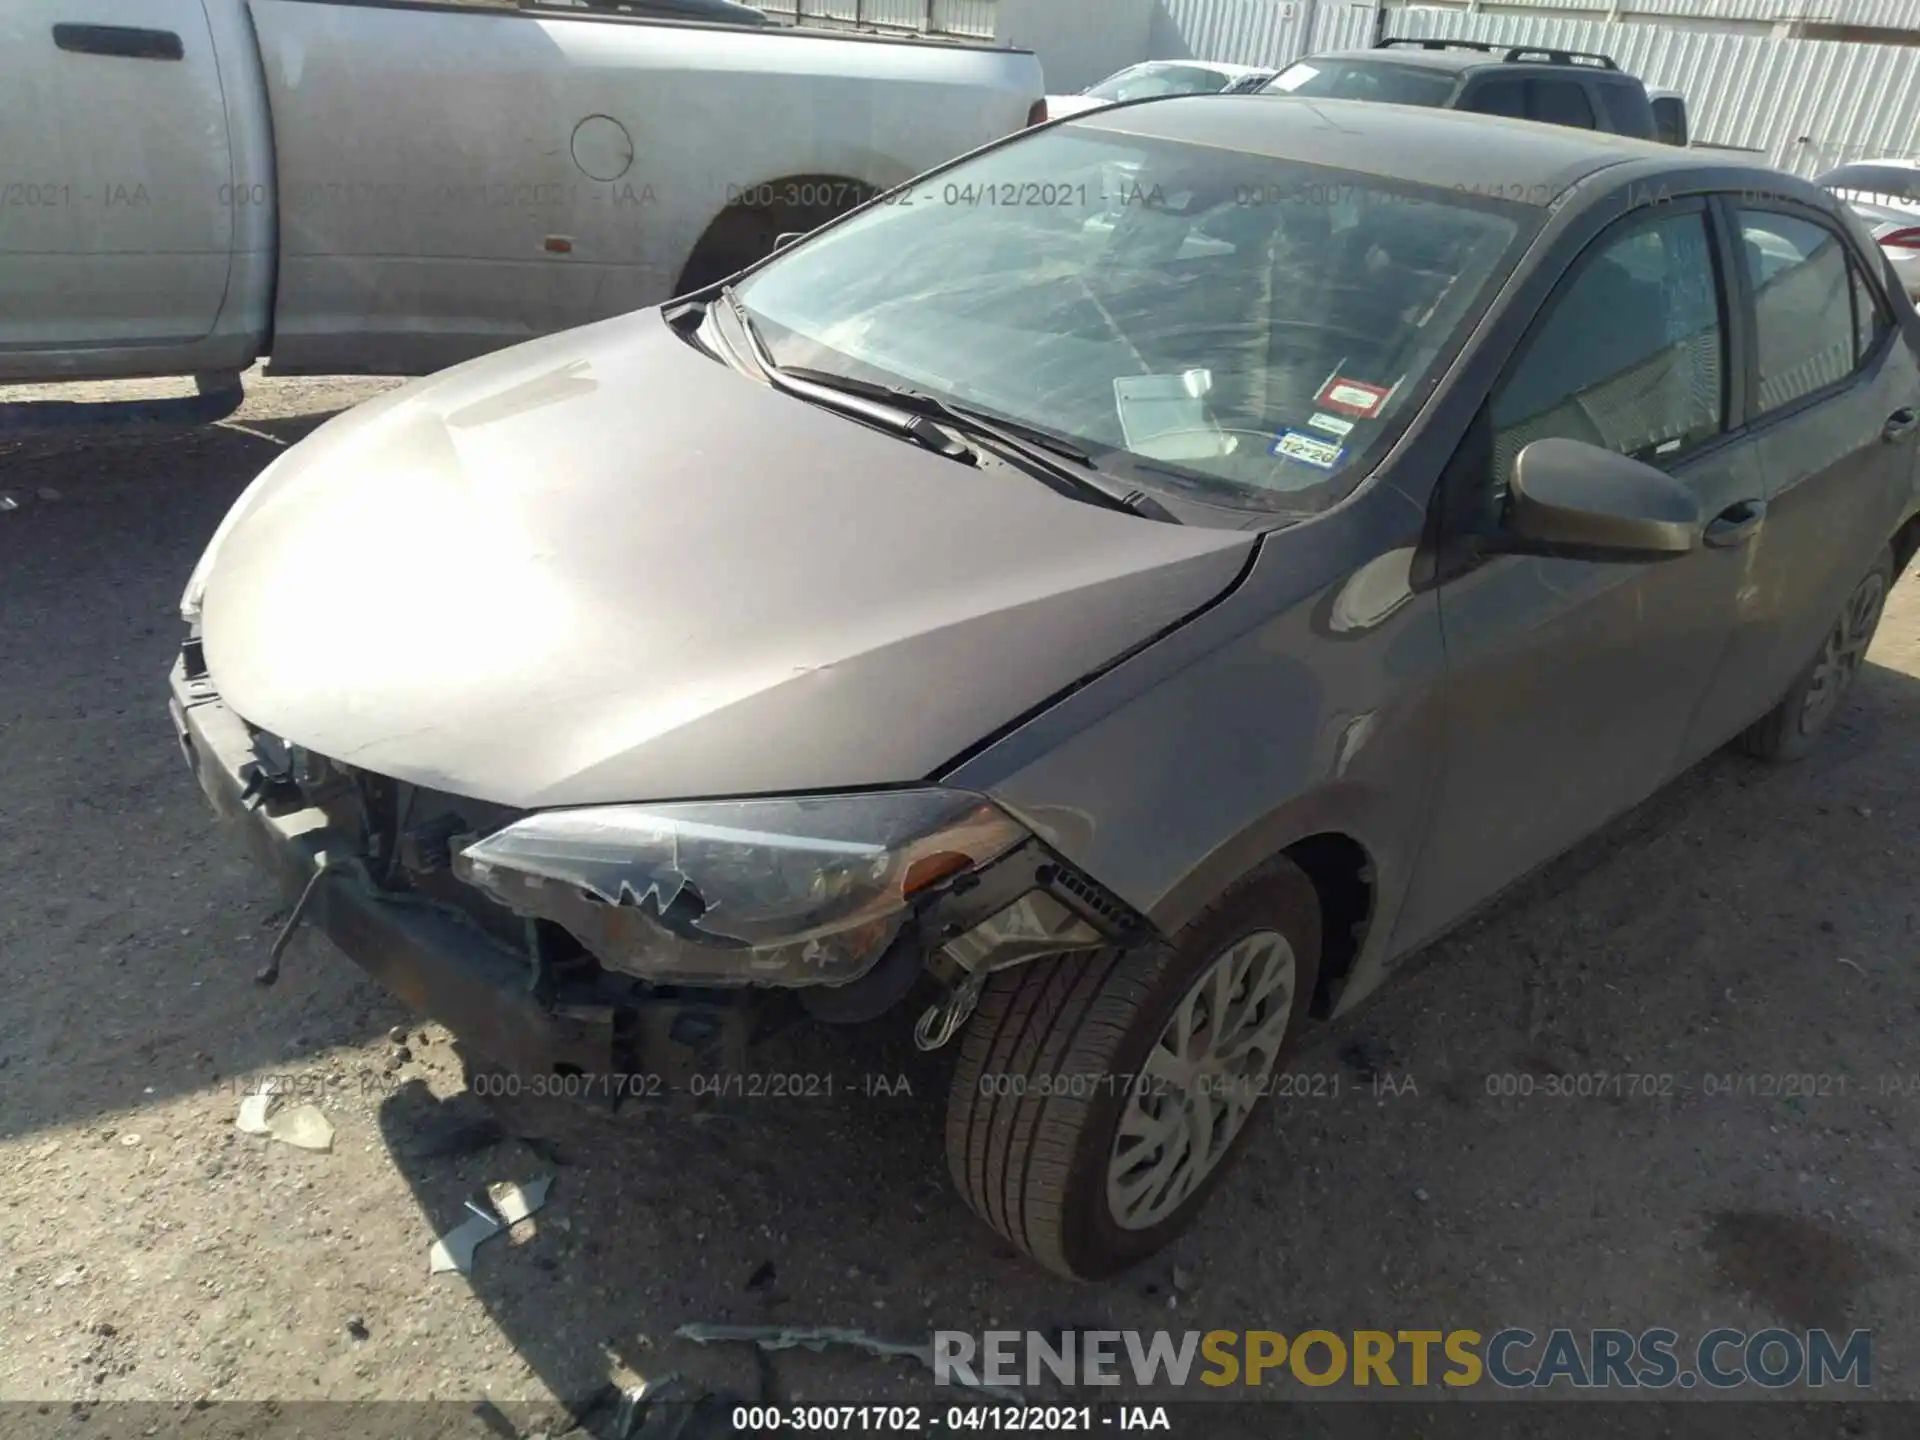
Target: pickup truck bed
394	187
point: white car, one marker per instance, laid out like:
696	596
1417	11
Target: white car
1886	195
1160	77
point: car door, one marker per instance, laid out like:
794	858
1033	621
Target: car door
115	224
1571	684
1834	419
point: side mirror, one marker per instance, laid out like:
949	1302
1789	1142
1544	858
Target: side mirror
1577	501
787	237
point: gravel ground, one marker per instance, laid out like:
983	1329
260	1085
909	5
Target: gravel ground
1747	923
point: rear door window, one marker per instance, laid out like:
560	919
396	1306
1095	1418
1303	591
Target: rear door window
1871	322
1497	95
1803	305
1627	107
1560	102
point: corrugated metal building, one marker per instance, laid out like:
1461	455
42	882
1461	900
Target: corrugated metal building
1805	104
1806	83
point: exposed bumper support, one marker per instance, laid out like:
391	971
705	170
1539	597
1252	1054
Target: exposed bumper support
437	961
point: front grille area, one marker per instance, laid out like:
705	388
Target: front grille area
404	832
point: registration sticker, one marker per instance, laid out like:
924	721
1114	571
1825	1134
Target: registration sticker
1353	397
1307	449
1332	424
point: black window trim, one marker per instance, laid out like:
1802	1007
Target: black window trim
1865	368
1732	385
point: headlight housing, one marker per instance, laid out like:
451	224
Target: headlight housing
796	891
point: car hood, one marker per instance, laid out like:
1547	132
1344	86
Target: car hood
602	566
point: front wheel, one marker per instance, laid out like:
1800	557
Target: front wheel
1788	731
1098	1099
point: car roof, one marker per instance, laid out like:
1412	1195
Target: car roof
1455	149
1460	60
1219	67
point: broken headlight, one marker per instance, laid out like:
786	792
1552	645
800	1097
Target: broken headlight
801	891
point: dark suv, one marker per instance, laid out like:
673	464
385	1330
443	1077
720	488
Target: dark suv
1556	87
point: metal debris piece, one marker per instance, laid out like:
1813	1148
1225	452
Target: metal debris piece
817	1338
454	1250
252	1119
514	1203
7	502
269	973
508	1205
634	1402
302	1127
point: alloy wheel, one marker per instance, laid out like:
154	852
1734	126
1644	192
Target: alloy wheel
1844	651
1201	1080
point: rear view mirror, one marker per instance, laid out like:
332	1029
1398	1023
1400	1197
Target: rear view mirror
1578	501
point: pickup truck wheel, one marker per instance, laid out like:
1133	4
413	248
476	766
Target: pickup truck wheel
1099	1098
743	233
1788	731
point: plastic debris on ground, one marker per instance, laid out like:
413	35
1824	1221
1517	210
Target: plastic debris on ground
507	1205
454	1250
514	1203
820	1337
302	1127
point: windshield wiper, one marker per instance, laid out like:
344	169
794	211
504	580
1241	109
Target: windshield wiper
914	424
1060	459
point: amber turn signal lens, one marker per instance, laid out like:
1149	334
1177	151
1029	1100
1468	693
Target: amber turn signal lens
930	870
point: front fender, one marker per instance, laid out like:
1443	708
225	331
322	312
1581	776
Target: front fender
1307	702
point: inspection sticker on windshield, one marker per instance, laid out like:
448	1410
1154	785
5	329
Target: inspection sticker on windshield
1354	397
1307	449
1332	424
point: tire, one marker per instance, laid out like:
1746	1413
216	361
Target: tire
1055	1059
744	233
1788	732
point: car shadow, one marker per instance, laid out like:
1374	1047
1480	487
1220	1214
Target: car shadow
132	924
1410	1188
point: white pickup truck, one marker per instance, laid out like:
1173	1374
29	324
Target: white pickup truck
389	188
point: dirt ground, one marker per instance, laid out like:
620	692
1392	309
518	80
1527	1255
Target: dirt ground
1747	923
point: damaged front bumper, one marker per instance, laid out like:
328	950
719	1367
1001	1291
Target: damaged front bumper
521	992
436	959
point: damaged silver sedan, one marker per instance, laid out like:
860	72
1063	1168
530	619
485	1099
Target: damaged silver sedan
1102	604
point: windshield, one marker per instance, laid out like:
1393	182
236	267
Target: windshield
1382	81
1141	82
1250	328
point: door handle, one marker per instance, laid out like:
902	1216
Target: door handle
1736	524
129	42
1899	425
